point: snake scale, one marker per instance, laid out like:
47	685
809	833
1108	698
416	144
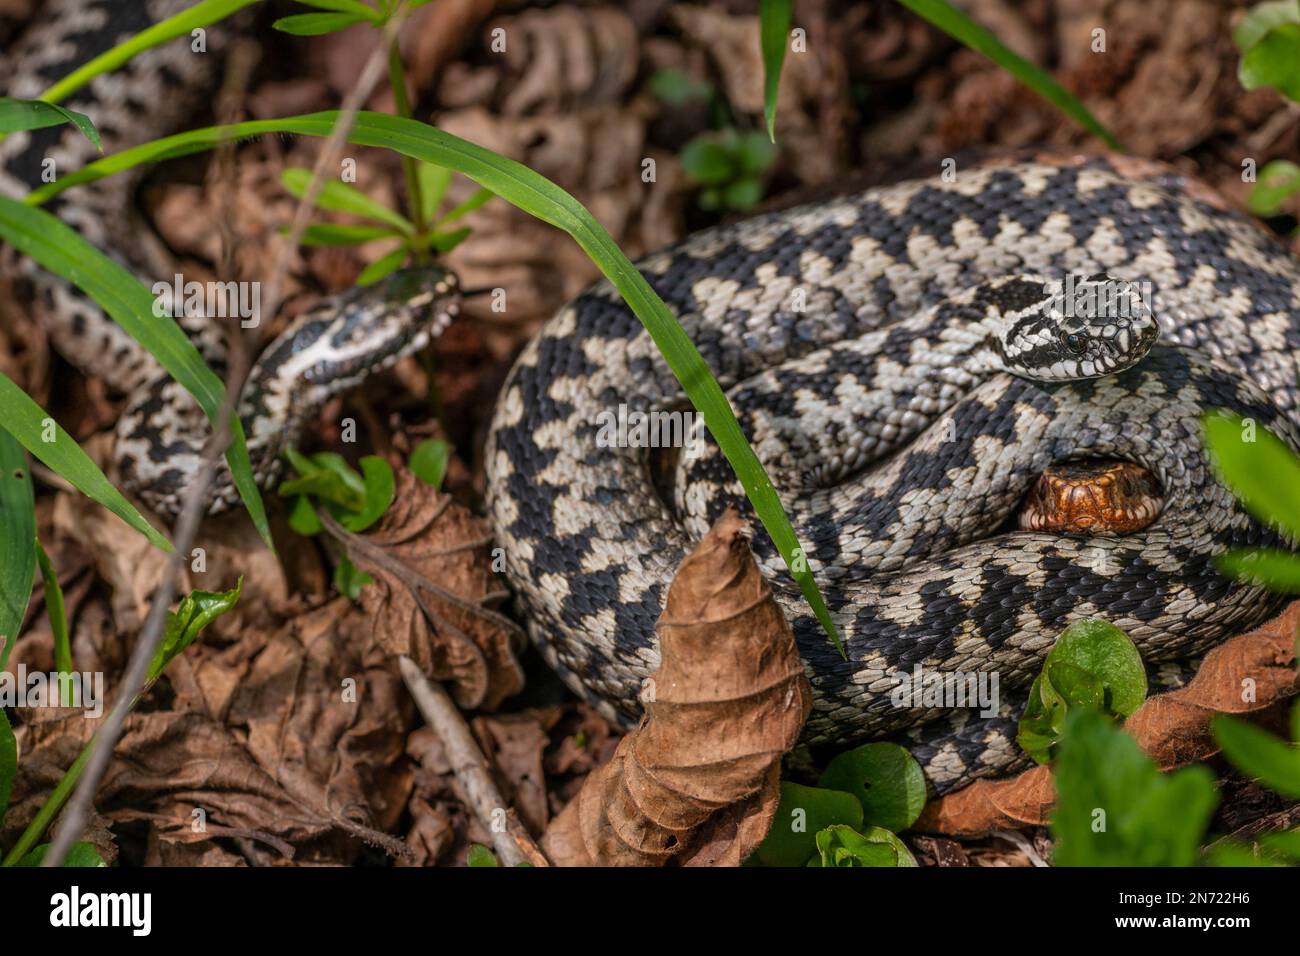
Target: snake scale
895	356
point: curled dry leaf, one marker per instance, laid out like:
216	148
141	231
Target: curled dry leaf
1173	729
304	760
696	782
433	582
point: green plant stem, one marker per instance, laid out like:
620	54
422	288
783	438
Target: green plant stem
50	808
414	193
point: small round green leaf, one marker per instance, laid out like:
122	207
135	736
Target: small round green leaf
885	778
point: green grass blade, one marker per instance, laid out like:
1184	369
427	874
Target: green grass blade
538	196
62	251
17	538
774	18
338	196
965	30
200	15
58	616
16	115
30	425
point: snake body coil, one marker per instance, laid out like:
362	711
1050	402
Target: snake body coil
900	458
893	355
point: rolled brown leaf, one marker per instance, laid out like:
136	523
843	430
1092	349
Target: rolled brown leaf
696	782
1246	674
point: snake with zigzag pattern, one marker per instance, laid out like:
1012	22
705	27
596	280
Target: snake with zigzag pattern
899	357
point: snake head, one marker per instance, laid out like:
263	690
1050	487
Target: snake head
339	343
1055	330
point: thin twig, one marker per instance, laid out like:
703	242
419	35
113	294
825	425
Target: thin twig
73	820
511	841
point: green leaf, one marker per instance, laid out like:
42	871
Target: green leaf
349	579
755	152
182	24
841	845
1115	808
965	30
885	778
27	422
62	251
446	241
1262	18
1268	568
333	463
1103	651
1093	664
429	461
377	494
1258	468
1064	685
802	813
434	181
79	855
1272	62
195	612
1260	755
707	160
17	533
744	193
774	18
1040	726
58	619
344	6
316	24
8	763
1278	182
677	87
16	115
385	265
338	196
328	477
538	196
479	198
480	855
303	518
333	234
1271	849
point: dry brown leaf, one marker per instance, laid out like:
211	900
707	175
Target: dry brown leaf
514	744
697	781
433	579
1172	728
299	766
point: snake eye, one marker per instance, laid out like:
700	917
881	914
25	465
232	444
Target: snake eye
1076	343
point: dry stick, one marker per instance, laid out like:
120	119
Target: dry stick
73	821
513	844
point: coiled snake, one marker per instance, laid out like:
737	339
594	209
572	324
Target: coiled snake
900	358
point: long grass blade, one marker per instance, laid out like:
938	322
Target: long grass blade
62	251
200	15
965	30
538	196
27	422
774	18
17	539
